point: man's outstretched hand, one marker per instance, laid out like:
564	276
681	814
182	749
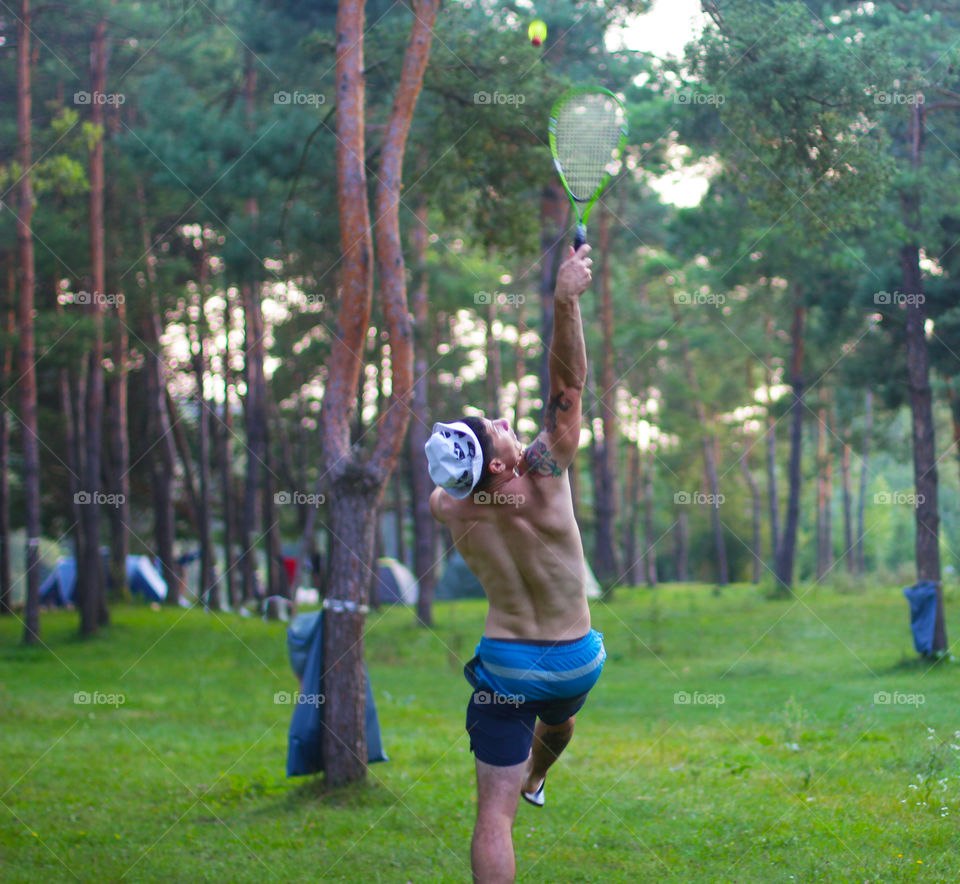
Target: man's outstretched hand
574	274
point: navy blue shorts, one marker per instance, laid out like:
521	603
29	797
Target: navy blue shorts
501	725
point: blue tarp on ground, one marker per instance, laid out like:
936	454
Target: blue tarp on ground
305	748
922	598
144	580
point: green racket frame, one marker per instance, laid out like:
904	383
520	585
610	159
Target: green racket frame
584	213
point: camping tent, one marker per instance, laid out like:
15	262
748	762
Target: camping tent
58	588
143	578
395	584
459	582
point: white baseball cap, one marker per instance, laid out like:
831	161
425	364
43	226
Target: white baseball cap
454	458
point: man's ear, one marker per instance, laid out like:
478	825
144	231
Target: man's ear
496	466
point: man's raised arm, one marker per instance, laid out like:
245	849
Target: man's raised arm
556	446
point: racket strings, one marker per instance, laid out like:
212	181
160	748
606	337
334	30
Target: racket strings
588	130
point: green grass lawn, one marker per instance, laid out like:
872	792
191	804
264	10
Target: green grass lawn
786	764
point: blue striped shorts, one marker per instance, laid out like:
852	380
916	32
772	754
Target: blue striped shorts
516	682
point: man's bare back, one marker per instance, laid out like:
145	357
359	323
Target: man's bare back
522	543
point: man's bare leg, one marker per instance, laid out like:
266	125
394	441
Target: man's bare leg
549	740
498	793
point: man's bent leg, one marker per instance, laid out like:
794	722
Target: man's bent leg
549	740
498	793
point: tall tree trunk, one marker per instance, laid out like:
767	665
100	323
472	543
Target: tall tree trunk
681	545
756	508
119	457
494	374
924	445
786	551
823	491
208	591
954	402
772	498
649	539
26	366
161	455
605	497
921	402
226	471
424	526
253	411
6	584
356	488
90	584
848	557
519	409
864	477
631	568
554	211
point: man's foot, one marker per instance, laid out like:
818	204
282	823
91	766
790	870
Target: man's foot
535	798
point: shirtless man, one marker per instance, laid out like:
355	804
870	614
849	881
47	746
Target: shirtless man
510	512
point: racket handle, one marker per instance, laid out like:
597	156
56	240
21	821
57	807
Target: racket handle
581	236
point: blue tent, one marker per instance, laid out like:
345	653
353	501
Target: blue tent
144	580
58	588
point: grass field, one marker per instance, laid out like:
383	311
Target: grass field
730	739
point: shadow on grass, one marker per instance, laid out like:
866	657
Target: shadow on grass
923	665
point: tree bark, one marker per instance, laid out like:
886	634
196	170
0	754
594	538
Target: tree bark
632	569
554	211
773	501
27	367
848	555
681	545
605	497
864	476
161	455
424	526
356	488
924	445
119	456
208	591
225	438
786	551
954	402
6	584
90	583
824	492
756	508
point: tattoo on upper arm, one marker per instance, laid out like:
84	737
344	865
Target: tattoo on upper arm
541	461
559	402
